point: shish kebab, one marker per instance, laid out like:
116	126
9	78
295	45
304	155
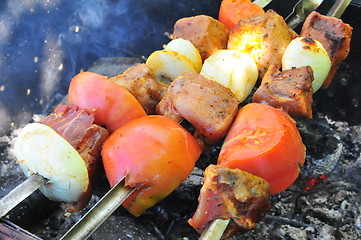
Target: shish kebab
216	229
212	234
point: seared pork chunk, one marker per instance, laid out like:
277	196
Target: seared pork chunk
334	35
76	126
231	194
290	90
140	81
206	104
264	36
206	33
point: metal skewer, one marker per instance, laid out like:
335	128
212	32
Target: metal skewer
338	8
300	11
262	3
216	228
22	191
99	212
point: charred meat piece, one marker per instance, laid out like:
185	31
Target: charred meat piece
231	194
290	89
335	36
206	104
140	81
206	33
264	36
76	126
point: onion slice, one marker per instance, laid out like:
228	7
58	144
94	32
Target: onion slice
39	149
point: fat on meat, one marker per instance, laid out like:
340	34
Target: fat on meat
231	194
141	81
77	128
265	37
290	90
207	34
333	34
208	105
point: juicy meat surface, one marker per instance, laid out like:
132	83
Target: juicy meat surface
265	37
231	194
290	89
141	81
206	104
76	126
333	34
206	33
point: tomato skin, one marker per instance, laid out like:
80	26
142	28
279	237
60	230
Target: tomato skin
231	11
264	141
155	154
111	104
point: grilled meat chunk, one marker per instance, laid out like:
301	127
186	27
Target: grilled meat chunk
231	194
264	36
334	35
206	104
206	33
141	81
290	89
76	126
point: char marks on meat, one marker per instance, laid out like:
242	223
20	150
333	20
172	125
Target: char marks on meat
206	104
290	90
231	194
333	34
141	81
77	128
207	34
264	36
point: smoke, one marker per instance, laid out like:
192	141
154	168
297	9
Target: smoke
44	43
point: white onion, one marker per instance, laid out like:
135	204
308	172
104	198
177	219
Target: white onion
168	65
233	69
186	48
39	149
308	52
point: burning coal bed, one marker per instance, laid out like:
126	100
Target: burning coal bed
324	202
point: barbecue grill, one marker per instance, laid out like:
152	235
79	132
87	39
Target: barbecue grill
45	43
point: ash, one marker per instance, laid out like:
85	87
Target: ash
326	206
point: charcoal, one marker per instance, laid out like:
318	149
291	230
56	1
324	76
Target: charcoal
323	147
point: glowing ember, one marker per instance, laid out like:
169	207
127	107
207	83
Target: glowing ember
314	181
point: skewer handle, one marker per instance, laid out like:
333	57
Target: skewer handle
99	212
18	194
300	11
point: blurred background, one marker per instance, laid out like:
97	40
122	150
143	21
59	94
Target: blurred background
43	43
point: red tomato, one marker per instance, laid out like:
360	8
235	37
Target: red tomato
264	141
155	154
111	104
231	11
